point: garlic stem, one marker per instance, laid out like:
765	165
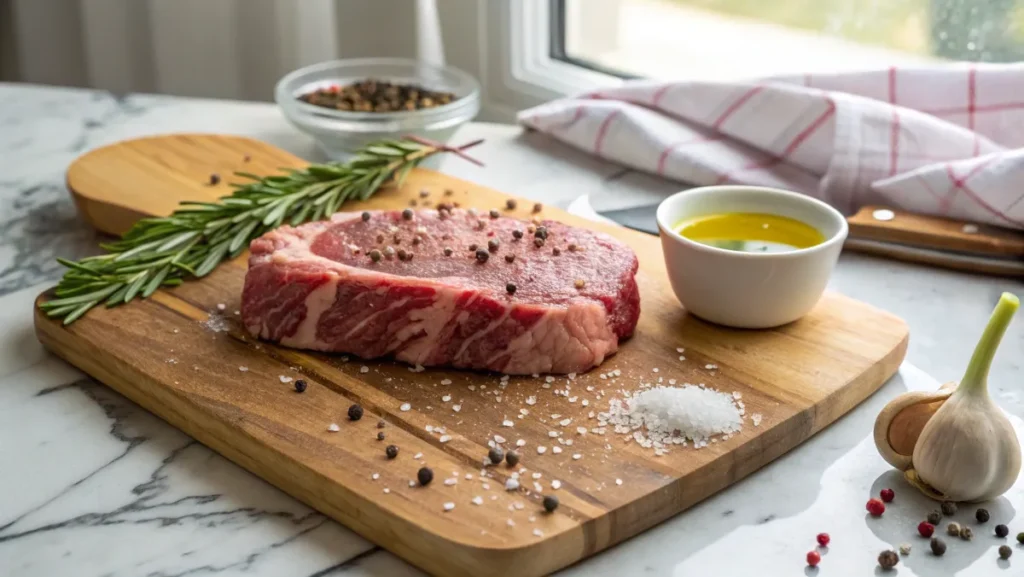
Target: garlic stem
976	377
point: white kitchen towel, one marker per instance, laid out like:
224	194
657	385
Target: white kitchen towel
944	141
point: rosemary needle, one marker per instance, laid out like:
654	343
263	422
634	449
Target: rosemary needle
192	241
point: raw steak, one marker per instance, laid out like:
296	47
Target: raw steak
318	287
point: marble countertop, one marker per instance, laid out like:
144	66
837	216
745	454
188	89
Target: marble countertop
92	485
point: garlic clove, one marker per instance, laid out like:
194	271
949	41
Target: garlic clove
899	423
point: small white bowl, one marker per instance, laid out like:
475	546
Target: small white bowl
742	289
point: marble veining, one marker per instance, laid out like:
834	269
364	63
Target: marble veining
93	485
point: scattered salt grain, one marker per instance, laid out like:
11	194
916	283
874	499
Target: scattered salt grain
581	430
541	450
680	350
511	485
511	523
285	379
585	403
756	418
449	506
445	438
710	367
418	456
538	533
243	369
549	379
333	427
446	381
375	476
450	481
446	398
536	475
405	407
531	400
618	481
577	457
221	306
469	476
552	434
364	369
556	450
521	443
654	370
386	490
507	423
478	500
556	484
682	358
456	408
565	422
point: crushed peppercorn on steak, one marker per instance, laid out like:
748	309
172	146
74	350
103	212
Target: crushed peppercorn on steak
444	288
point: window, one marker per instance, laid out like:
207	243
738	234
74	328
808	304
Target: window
526	52
722	39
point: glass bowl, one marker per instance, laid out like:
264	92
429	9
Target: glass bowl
340	132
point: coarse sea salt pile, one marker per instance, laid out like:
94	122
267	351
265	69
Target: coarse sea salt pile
662	416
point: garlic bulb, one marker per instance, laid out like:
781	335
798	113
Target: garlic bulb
968	450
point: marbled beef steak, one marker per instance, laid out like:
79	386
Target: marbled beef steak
320	287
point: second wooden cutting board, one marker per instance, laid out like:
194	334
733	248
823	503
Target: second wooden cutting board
183	355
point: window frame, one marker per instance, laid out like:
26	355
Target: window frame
508	46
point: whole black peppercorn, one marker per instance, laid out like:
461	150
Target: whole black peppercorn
517	234
538	242
381	424
1005	551
214	179
541	232
556	251
493	244
888	559
425	476
550	503
380	436
935	517
407	214
402	255
472	247
538	207
482	255
424	193
572	247
355	412
366	216
391	451
981	515
448	251
938	546
510	204
510	258
949	508
300	386
494	213
416	240
375	255
1002	531
512	458
511	288
496	455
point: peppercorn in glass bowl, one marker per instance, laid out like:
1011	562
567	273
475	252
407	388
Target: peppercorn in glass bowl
346	104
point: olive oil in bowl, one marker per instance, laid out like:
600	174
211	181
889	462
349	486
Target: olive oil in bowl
750	232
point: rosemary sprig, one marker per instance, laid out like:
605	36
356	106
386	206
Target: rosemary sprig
198	236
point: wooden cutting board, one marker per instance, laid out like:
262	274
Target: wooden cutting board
183	355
